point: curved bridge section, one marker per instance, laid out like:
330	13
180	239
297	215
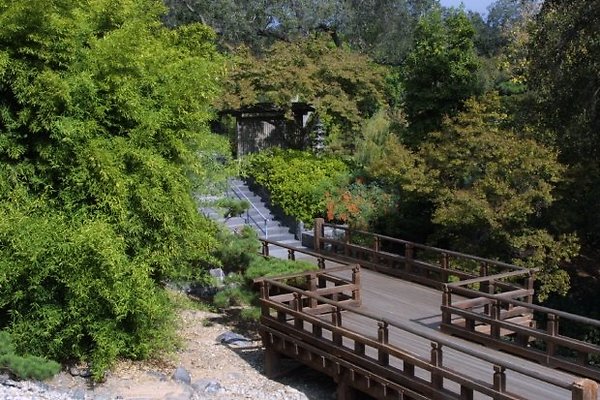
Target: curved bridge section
389	337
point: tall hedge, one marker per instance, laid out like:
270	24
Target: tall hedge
103	117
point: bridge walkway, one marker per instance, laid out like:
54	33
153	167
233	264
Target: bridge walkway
390	345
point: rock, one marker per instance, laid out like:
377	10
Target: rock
218	276
84	372
234	339
182	375
207	386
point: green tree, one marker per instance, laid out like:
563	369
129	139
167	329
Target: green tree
258	24
491	187
563	70
380	28
440	72
384	29
345	87
103	119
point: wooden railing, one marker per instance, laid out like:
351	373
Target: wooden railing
499	310
412	261
312	328
535	330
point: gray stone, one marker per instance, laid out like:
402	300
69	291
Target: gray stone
207	386
218	276
83	372
234	339
182	375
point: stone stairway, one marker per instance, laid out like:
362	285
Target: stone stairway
259	217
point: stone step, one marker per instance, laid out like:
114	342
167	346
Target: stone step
275	229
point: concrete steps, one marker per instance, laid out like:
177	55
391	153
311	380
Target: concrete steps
271	229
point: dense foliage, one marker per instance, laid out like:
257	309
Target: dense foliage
491	186
381	28
103	113
243	263
563	69
297	181
441	71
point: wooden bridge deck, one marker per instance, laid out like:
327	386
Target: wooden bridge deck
388	337
407	302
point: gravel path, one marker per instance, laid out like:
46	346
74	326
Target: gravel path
205	368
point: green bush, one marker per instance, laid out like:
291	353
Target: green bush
275	267
297	180
237	250
101	144
24	367
239	255
233	208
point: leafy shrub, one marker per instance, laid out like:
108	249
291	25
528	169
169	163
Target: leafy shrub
297	180
236	251
24	367
239	255
74	294
275	267
100	147
233	207
358	204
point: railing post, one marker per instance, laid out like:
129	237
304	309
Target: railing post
264	295
500	378
297	306
318	233
444	266
377	244
336	320
484	286
409	253
383	338
437	380
356	281
495	328
347	240
530	285
552	329
312	287
466	393
446	302
265	249
584	389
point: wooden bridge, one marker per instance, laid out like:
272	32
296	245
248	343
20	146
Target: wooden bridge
399	320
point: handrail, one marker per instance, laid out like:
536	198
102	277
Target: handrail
429	248
241	194
434	338
534	307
